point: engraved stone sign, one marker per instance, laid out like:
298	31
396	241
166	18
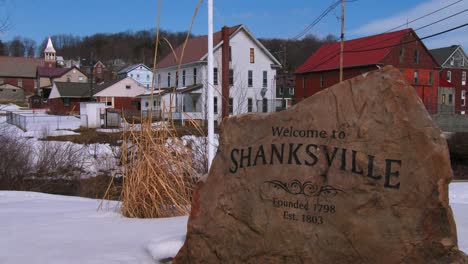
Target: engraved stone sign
357	173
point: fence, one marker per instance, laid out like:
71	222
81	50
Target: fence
40	121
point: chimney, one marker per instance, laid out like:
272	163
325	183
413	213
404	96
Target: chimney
225	72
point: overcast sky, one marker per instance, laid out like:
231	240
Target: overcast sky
37	19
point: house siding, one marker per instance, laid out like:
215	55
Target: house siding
57	107
28	84
11	93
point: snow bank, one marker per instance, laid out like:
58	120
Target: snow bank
53	229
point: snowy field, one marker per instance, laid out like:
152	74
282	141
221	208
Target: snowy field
51	229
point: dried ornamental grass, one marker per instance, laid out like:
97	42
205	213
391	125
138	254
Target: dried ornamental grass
158	174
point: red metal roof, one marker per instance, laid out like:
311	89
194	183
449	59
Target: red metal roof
195	49
362	51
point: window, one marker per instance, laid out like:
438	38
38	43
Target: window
231	77
281	90
99	70
194	75
215	76
80	78
402	54
416	77
452	61
416	56
154	102
109	103
291	90
449	76
68	78
168	79
215	104
1	90
443	98
230	53
249	104
127	87
159	79
430	78
131	75
252	55
66	102
183	78
20	83
146	104
265	81
147	77
463	94
264	105
463	80
321	80
13	90
450	99
231	105
176	79
250	78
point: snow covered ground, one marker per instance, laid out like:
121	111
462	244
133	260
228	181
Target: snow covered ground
51	229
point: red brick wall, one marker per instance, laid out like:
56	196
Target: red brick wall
122	103
56	106
312	80
456	82
28	84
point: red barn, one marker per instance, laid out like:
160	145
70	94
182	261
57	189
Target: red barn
403	49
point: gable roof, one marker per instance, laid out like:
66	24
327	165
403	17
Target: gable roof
19	66
118	89
132	67
197	48
369	50
443	54
80	90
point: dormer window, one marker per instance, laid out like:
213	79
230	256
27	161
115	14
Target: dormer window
452	61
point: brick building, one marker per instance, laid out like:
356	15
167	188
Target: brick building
403	49
454	64
20	71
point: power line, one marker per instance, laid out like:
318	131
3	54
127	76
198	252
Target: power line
421	17
406	42
440	20
319	18
392	37
389	46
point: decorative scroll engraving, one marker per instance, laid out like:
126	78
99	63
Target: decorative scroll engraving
295	187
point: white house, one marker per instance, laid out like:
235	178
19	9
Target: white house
139	72
252	70
120	94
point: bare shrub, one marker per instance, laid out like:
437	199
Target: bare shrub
59	160
15	160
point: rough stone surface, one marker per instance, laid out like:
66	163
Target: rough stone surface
357	173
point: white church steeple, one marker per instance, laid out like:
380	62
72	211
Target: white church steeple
50	54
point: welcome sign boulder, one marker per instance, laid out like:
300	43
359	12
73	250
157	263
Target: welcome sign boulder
357	173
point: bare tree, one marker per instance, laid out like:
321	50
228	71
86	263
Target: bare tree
29	47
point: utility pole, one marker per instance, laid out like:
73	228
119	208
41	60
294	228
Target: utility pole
210	93
342	40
